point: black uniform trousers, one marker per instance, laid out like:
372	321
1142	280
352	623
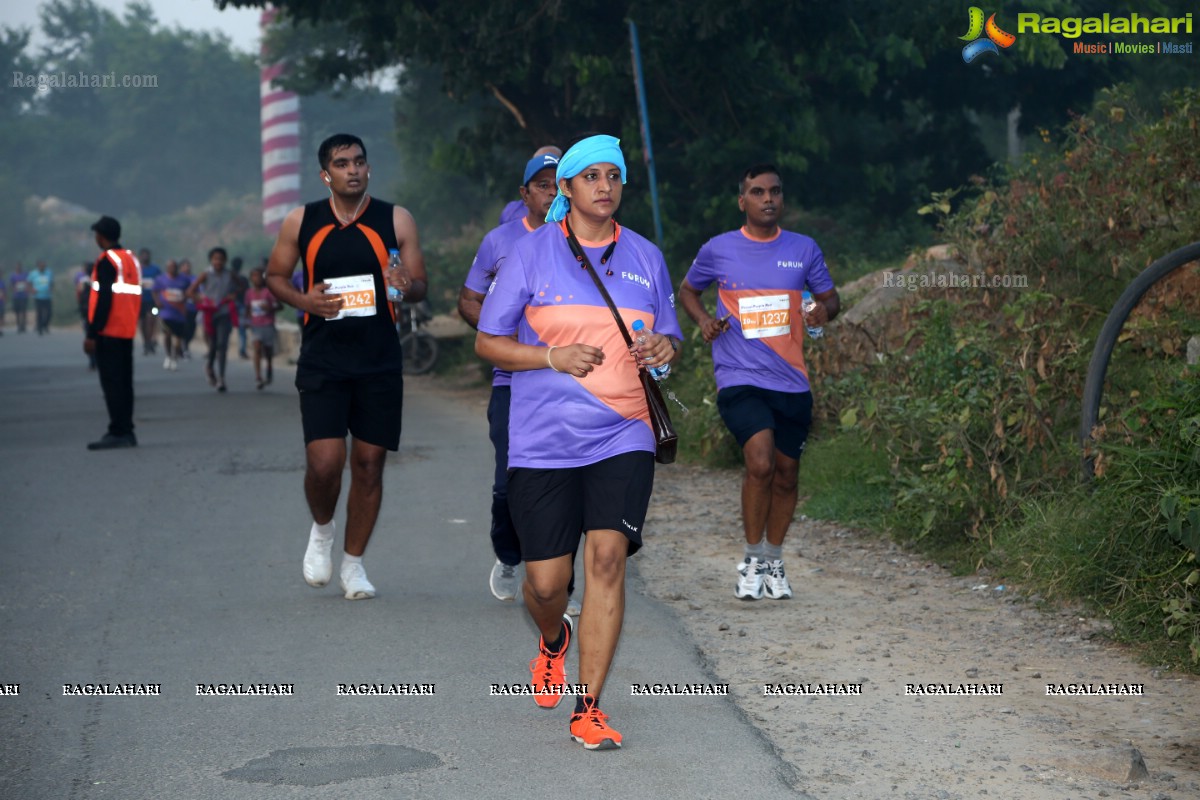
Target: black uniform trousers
114	362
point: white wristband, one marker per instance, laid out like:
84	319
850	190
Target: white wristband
550	363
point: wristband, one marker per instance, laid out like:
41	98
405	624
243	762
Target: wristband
550	363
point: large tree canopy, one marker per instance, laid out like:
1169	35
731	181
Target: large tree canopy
866	103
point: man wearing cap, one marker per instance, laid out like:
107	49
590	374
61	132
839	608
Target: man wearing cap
515	209
113	308
537	193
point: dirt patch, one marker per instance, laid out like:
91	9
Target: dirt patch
867	612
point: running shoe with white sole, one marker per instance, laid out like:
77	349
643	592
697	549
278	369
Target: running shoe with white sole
318	565
503	582
775	582
549	670
355	583
574	607
750	579
591	729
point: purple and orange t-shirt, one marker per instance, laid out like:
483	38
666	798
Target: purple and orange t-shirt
167	292
760	282
487	263
545	297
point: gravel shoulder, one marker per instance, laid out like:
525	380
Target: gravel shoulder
867	612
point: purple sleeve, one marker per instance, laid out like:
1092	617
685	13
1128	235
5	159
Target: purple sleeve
818	278
665	320
702	272
479	277
507	297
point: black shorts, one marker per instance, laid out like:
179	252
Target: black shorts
746	410
551	508
368	407
176	327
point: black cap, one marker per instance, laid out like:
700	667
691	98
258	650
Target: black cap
109	228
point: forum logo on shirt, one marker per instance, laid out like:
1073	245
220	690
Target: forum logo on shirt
782	264
983	37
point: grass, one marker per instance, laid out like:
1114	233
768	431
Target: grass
843	478
1075	546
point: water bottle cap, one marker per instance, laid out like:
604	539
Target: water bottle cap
806	295
638	324
394	252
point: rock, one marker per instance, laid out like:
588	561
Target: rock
724	626
1121	764
1193	351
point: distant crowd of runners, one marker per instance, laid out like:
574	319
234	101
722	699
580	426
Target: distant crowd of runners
175	304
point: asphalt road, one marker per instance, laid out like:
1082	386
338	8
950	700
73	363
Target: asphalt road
178	564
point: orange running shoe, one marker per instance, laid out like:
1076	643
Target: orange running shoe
549	670
590	728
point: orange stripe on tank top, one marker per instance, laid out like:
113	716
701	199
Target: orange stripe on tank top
381	253
310	257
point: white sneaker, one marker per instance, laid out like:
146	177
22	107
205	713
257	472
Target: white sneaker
503	582
750	579
167	362
775	583
574	608
318	566
174	365
355	583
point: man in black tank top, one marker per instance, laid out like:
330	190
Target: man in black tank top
349	370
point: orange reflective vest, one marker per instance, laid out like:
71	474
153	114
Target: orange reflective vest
126	294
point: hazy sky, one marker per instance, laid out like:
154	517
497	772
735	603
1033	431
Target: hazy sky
239	24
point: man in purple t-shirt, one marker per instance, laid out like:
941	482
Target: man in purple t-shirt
758	357
537	192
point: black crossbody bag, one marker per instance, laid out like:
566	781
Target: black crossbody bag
666	440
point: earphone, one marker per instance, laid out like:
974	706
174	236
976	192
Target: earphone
327	179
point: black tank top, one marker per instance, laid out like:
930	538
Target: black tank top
351	346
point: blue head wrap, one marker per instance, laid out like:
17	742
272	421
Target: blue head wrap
592	150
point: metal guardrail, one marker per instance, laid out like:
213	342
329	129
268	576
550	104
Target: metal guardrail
1093	388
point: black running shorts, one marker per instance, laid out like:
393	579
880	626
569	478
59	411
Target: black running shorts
746	410
177	327
552	508
368	408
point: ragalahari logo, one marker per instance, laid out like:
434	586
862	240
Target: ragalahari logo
991	43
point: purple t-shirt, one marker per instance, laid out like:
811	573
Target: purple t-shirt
168	290
760	281
558	421
20	285
487	262
513	211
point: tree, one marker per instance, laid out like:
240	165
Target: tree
866	103
178	122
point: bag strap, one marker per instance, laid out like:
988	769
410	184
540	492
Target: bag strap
582	258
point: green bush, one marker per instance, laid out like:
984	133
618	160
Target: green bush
974	395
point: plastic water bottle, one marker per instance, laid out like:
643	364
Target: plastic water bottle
639	332
395	293
807	304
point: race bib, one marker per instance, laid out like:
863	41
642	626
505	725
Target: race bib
173	295
766	316
258	308
358	295
21	286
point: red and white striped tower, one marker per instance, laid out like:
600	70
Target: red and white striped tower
280	120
